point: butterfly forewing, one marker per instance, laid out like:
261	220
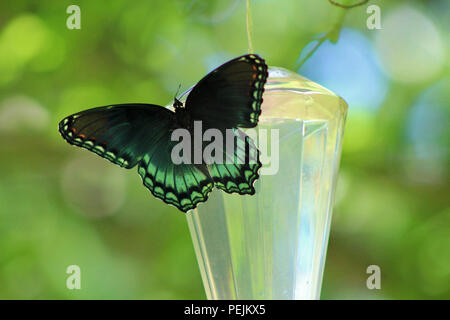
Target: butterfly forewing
231	95
120	133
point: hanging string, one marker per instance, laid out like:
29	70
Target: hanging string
249	28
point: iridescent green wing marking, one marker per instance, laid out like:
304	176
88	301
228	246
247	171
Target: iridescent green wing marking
239	170
182	185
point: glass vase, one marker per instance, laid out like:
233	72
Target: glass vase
272	245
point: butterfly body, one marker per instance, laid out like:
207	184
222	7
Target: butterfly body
141	135
183	118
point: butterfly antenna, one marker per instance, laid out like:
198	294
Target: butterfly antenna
178	90
176	102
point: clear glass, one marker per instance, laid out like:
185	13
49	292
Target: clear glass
272	245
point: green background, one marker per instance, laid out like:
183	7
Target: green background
61	205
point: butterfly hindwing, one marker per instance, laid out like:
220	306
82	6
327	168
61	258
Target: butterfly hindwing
231	95
182	185
239	170
120	133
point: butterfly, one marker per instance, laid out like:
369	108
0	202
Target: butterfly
136	134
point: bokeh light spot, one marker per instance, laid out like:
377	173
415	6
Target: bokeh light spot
20	113
95	188
410	46
20	41
350	69
427	134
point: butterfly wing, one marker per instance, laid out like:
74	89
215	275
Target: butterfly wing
120	133
239	169
182	185
131	134
231	95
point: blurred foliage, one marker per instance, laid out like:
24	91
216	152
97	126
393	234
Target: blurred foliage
60	205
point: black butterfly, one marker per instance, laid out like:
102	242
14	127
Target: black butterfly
140	134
